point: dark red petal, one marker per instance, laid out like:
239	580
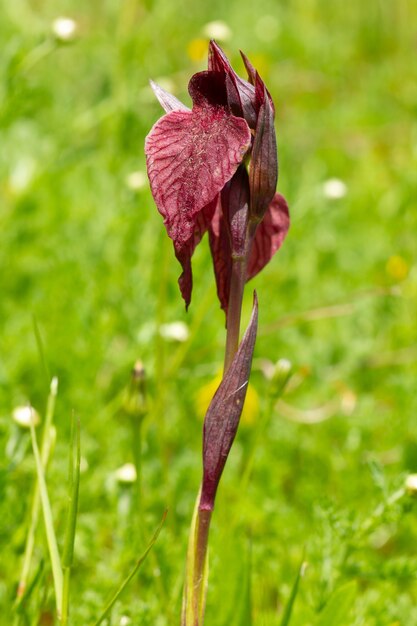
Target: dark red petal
223	415
190	157
270	235
247	96
167	101
202	221
263	174
208	88
221	253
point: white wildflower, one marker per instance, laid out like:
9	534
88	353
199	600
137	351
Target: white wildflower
64	29
22	174
25	415
126	474
136	180
176	331
334	189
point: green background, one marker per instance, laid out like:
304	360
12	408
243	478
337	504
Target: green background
87	256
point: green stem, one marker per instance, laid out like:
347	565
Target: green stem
137	456
73	492
200	556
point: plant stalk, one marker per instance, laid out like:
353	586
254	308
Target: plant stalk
200	556
193	614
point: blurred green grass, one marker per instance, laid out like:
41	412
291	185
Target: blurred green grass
86	255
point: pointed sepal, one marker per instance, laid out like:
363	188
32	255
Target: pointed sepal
223	415
263	174
167	101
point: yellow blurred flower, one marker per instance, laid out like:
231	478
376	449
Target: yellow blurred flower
397	267
197	50
206	393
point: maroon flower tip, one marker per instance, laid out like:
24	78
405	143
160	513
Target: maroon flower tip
217	60
249	68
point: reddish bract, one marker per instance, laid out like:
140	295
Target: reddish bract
196	164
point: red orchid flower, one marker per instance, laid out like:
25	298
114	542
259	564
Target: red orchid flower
197	163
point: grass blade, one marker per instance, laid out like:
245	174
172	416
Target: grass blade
41	350
294	591
132	573
73	491
46	446
49	527
337	609
243	597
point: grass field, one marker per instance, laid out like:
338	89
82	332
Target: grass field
85	265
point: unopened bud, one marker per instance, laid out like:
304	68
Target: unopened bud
280	377
54	386
135	399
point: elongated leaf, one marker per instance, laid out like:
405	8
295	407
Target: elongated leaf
49	526
223	415
47	443
291	600
243	600
336	611
41	349
132	573
73	490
